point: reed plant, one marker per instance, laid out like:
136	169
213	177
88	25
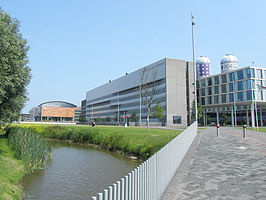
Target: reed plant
29	147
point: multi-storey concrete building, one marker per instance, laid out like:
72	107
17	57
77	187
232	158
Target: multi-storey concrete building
237	94
173	81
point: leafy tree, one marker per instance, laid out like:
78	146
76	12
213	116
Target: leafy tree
14	72
199	111
108	119
158	111
134	116
83	119
98	119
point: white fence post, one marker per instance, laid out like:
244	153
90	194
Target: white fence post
149	180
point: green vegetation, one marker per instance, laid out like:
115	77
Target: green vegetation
11	171
158	111
29	147
14	73
261	129
132	140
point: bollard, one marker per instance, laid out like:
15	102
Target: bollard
244	131
100	196
218	130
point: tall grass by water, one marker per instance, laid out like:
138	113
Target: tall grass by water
132	140
29	147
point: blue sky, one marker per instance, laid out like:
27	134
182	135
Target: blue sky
78	45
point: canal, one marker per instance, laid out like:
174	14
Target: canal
76	172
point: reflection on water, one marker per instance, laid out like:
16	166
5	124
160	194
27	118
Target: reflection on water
76	172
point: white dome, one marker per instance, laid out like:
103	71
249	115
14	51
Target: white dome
228	63
203	60
229	58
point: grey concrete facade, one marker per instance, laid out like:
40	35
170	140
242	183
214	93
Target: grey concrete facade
174	88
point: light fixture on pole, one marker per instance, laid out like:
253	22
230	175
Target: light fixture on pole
195	83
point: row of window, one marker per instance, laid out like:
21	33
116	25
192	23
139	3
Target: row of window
231	87
232	77
226	98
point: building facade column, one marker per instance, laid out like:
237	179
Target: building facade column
217	115
232	116
261	119
247	122
252	116
204	117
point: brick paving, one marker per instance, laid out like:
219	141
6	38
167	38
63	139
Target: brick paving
228	167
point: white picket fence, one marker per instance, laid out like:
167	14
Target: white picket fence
149	180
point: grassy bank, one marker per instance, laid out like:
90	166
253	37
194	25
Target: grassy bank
11	172
132	140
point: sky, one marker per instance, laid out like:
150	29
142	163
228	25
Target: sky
76	46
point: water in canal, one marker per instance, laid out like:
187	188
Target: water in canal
76	172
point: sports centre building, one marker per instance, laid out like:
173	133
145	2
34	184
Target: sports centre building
173	80
54	111
236	96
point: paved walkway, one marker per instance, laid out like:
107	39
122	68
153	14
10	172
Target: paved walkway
228	167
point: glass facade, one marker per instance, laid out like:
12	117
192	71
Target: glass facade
240	75
240	85
236	85
250	73
232	76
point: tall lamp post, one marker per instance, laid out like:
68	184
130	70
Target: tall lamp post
195	86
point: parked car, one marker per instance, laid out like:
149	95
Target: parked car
213	124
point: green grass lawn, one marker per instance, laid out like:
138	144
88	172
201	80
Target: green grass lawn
131	140
11	172
261	129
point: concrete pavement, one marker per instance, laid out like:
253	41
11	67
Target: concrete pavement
228	167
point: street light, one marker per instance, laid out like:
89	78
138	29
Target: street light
194	67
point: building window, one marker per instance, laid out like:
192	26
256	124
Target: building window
250	73
249	95
249	84
240	75
232	77
203	92
259	73
231	87
209	91
224	88
203	83
216	89
231	97
209	81
240	96
224	78
203	101
177	119
259	95
210	100
216	99
223	98
240	85
216	80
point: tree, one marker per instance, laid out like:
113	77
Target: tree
147	89
134	117
158	111
14	72
83	120
193	111
108	119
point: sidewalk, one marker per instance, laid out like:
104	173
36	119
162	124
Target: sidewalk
228	167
